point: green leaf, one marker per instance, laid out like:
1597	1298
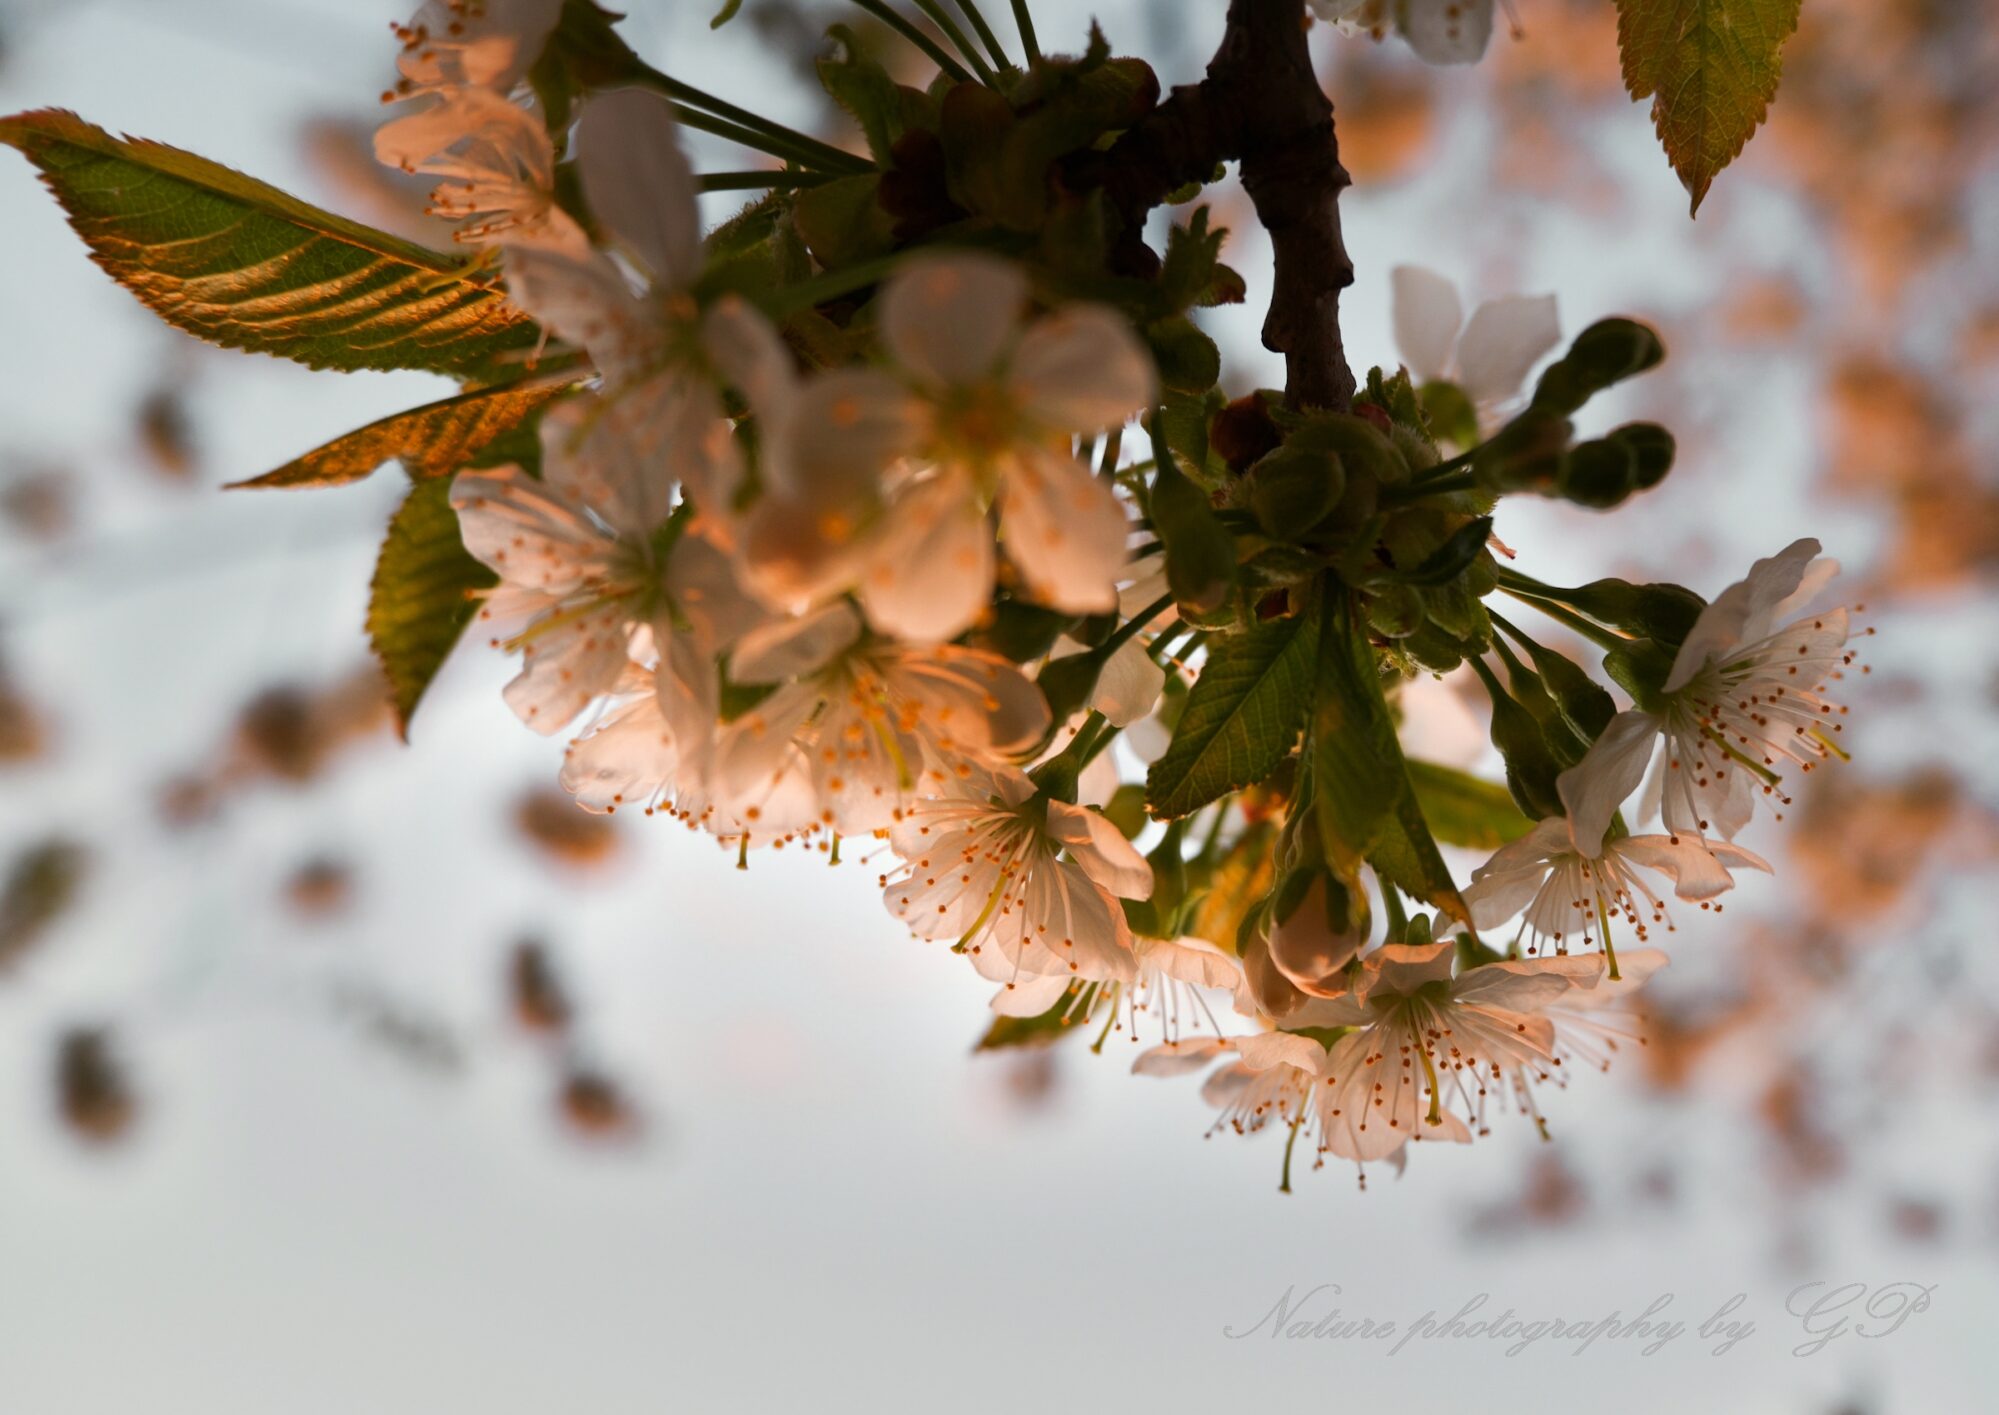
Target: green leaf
423	593
1464	810
1242	717
1710	68
1200	552
725	14
866	90
239	263
1367	806
432	441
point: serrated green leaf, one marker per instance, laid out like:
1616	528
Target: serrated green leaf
1242	717
432	441
1464	810
1710	68
423	593
233	261
1366	803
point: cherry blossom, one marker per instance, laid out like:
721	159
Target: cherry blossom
1743	696
594	564
882	479
867	722
1490	355
1025	885
1568	896
1425	1043
1172	975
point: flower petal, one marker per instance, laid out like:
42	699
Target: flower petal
1101	850
525	530
1596	786
1082	369
792	648
1502	342
638	184
930	576
1742	612
1065	530
947	319
1425	310
1445	31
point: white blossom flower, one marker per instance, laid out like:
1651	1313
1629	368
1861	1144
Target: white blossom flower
628	756
1024	884
869	723
1567	895
594	564
495	157
1742	697
1489	356
1425	1043
1172	976
882	479
457	44
660	353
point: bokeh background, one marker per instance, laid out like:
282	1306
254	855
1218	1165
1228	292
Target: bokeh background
338	1074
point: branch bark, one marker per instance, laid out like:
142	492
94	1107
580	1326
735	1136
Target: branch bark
1260	105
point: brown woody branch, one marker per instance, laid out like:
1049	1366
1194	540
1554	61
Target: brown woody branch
1260	105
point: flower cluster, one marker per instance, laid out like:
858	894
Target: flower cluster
879	574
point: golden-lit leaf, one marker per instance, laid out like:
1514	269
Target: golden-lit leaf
432	441
241	264
1710	68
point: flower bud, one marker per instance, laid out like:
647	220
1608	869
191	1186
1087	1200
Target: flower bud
1319	923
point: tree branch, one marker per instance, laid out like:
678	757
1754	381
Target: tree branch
1260	105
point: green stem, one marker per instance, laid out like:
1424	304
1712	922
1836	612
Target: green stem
829	285
964	46
918	38
752	181
1391	905
1436	486
1025	23
1463	459
1284	1184
1595	633
710	114
985	32
1134	626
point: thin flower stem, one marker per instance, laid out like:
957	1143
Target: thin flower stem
918	38
1436	486
752	181
1024	21
761	142
1284	1184
710	114
942	19
986	35
1595	633
829	285
1134	626
1463	459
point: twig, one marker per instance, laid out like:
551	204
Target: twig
1261	105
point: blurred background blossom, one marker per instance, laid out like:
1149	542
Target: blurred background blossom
337	1073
